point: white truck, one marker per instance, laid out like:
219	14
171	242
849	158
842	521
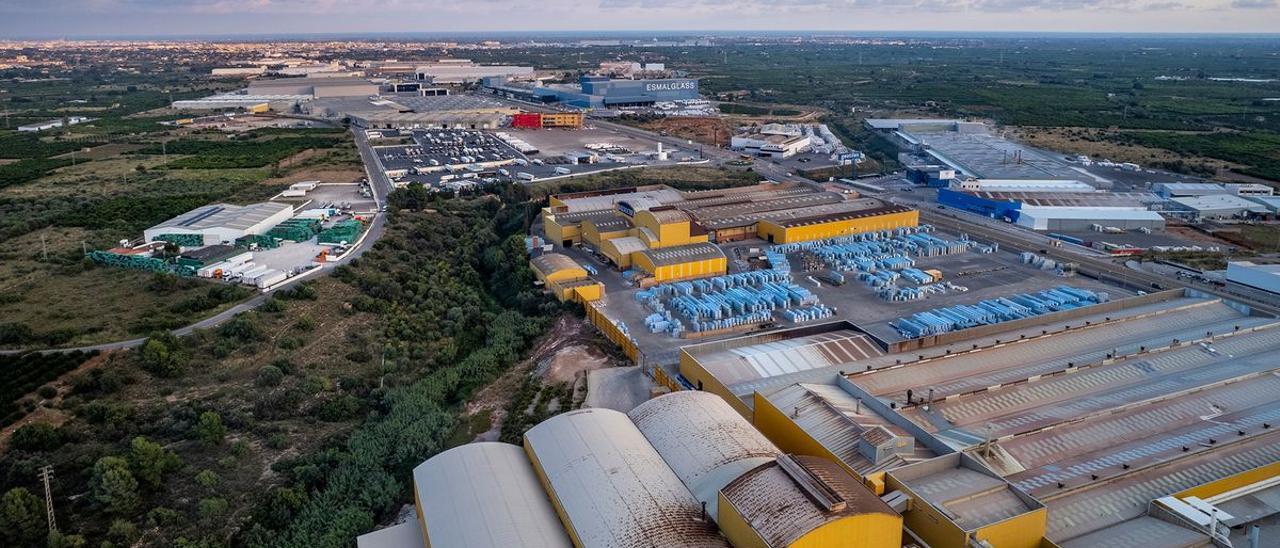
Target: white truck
525	176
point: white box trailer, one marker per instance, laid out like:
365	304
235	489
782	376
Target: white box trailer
292	193
270	278
250	277
234	271
304	185
239	258
525	176
208	271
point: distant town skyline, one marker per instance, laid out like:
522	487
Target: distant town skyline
163	18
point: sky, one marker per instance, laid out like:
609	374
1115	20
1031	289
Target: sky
113	18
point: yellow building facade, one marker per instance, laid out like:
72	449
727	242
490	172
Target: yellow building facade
802	230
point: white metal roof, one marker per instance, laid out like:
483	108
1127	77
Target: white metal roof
403	535
1088	213
485	495
613	487
772	357
704	441
224	216
1218	202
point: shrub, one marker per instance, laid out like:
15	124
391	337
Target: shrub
269	375
37	437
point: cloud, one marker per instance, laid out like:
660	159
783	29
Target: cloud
1253	4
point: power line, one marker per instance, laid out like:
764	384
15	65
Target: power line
46	475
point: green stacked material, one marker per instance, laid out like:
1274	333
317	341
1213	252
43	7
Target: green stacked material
263	241
297	230
342	231
134	262
184	240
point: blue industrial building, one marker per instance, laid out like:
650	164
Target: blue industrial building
600	91
996	208
931	176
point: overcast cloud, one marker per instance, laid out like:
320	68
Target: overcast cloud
71	18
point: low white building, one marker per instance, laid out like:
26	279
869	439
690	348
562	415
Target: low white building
53	124
1265	277
771	145
223	223
1218	206
1082	218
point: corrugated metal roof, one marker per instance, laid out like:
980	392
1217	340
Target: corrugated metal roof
706	443
780	511
780	357
403	535
831	417
1088	213
614	488
684	254
224	216
550	263
626	245
486	495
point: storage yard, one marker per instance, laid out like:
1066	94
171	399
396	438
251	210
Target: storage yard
260	245
1007	397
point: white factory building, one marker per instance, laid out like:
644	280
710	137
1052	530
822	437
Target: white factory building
1179	190
1265	277
223	223
462	71
1218	206
1025	185
53	124
1083	218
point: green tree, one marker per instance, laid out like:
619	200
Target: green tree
114	486
210	428
61	540
162	355
208	479
37	437
22	520
150	461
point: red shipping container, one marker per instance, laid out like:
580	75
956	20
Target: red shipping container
526	120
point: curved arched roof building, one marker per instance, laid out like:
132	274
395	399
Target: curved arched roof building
485	495
704	440
611	488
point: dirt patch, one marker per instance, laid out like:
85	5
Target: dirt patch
570	350
1102	144
103	152
7	161
323	174
708	131
1191	234
570	361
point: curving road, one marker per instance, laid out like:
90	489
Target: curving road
378	183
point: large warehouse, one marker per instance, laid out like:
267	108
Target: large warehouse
222	223
1061	211
1265	277
671	234
679	470
462	71
600	91
1115	425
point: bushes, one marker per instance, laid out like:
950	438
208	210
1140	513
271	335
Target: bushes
37	437
163	355
27	372
229	155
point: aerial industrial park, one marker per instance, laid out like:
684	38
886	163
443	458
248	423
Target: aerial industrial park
620	292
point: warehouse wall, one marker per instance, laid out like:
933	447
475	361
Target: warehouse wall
775	233
735	527
787	435
682	271
695	374
871	530
1021	531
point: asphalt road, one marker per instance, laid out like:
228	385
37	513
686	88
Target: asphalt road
381	187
